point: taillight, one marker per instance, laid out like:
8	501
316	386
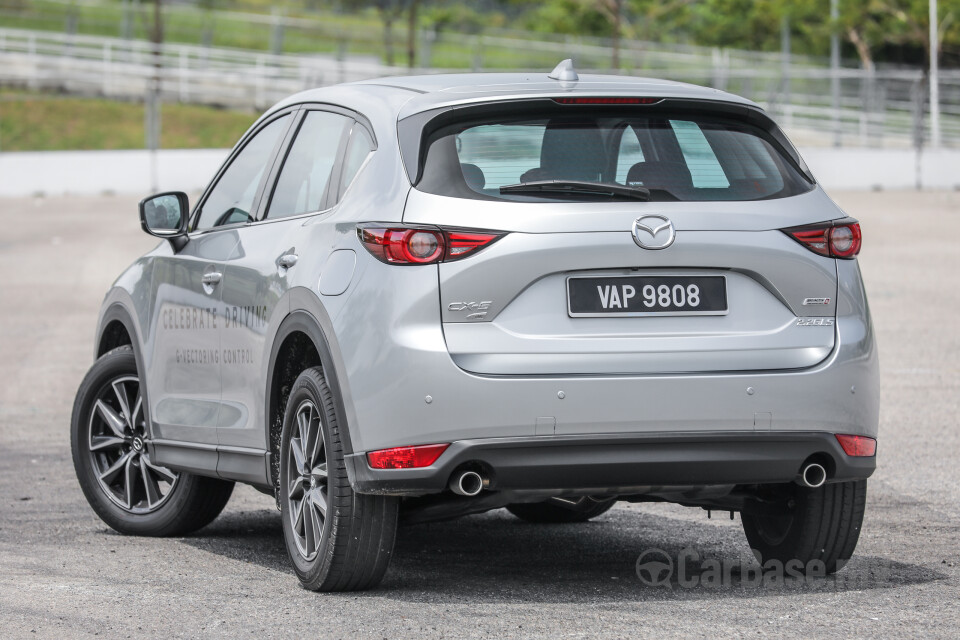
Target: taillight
858	446
406	457
834	240
422	245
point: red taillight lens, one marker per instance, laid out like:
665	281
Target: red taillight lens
417	245
406	457
461	243
630	100
403	246
834	241
421	246
859	446
845	241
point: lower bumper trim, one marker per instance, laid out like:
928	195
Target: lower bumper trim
608	462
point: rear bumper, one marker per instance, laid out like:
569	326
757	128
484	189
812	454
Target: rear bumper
629	463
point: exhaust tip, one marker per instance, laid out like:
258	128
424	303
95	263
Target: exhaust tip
813	475
467	483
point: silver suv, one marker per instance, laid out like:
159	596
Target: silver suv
417	298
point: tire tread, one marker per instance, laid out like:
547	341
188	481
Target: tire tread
363	527
826	526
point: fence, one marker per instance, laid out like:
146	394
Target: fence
125	69
876	108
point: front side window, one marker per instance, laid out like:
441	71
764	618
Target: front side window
231	199
305	178
680	156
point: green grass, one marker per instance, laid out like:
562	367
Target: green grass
357	33
326	32
44	122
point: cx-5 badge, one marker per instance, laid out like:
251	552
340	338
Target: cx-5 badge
653	232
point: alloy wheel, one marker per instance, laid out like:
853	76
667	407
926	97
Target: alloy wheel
306	481
117	445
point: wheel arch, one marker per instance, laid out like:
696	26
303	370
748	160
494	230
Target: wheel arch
118	327
300	343
114	334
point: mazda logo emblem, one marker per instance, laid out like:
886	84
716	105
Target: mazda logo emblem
653	232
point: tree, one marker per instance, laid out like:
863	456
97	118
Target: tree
390	12
898	29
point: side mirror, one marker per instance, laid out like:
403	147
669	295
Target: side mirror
165	215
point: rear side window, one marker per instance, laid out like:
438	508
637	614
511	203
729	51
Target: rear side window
304	182
358	149
677	157
628	154
701	161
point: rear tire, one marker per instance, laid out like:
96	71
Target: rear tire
553	513
824	525
110	447
337	540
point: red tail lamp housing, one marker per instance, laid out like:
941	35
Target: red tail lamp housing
841	239
857	446
411	245
604	100
415	457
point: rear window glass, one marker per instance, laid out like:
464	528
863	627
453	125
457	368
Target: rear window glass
683	157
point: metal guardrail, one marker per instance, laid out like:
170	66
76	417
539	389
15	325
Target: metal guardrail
124	69
885	107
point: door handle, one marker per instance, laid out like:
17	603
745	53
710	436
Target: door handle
287	260
211	278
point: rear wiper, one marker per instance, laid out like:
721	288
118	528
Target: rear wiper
577	186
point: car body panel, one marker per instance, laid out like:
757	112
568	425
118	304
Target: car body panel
411	339
504	310
184	339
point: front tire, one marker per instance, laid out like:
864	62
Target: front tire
823	525
337	540
109	443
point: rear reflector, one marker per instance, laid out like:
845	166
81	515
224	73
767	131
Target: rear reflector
406	457
858	446
607	100
422	245
831	240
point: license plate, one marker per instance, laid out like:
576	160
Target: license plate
646	295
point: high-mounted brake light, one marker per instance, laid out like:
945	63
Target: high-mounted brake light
857	446
406	457
607	100
833	240
422	245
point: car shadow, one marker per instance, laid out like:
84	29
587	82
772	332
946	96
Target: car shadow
494	557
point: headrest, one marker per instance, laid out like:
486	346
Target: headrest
473	176
572	150
672	176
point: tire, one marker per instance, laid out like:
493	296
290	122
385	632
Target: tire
824	525
551	512
109	444
337	540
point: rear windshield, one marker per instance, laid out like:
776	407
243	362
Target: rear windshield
666	157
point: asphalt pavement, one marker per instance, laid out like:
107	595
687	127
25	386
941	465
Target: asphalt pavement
64	574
